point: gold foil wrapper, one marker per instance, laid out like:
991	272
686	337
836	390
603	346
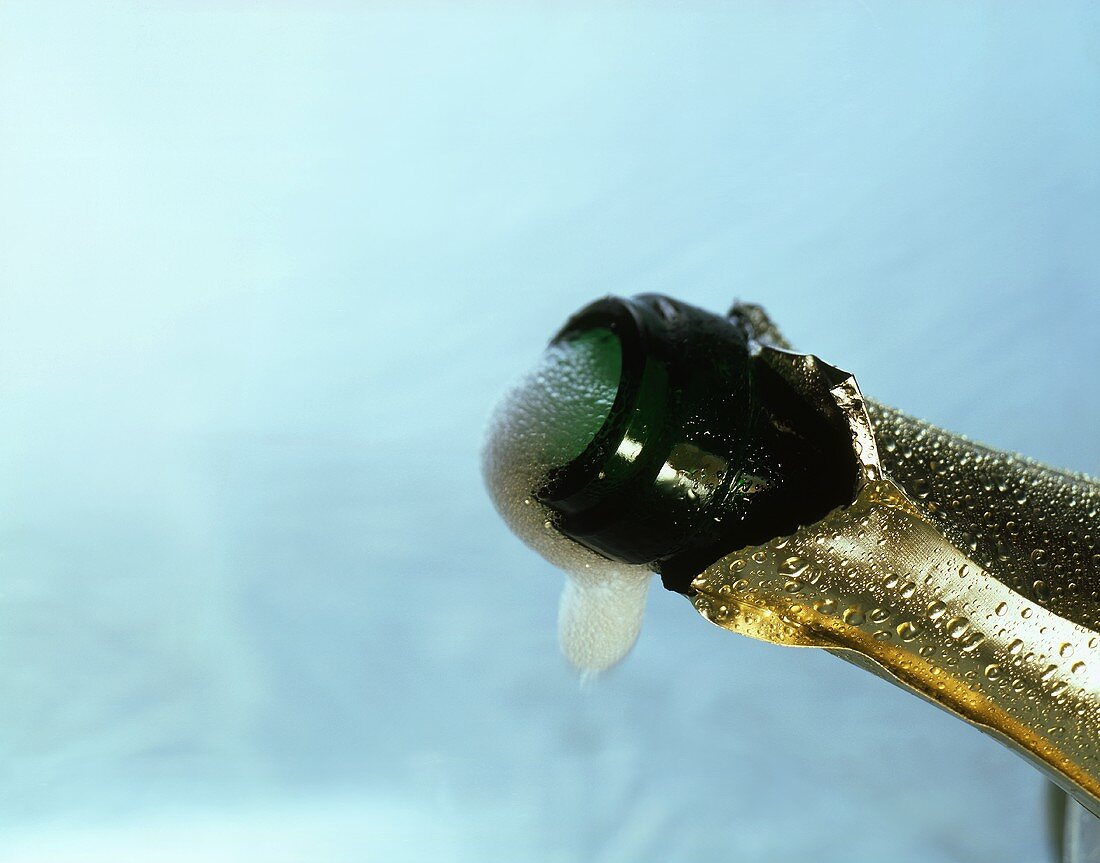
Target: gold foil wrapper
966	575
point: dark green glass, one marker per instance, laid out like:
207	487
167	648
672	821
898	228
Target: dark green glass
704	449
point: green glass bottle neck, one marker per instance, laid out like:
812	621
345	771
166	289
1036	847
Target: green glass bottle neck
702	451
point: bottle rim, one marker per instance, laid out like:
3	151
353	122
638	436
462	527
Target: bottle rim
581	476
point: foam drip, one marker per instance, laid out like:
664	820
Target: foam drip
545	421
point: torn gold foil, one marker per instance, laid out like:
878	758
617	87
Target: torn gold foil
966	575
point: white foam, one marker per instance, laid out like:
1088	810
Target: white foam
600	614
601	607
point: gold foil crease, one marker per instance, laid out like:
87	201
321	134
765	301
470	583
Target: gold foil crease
969	576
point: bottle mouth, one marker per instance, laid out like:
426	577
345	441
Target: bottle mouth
703	449
651	481
580	376
612	452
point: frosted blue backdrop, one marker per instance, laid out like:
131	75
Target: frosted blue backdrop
264	268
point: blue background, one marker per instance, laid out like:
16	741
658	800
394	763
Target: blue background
264	270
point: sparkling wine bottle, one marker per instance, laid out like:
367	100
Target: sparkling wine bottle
761	485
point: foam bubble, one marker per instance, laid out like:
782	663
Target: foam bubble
543	422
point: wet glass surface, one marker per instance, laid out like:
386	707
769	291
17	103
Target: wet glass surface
266	269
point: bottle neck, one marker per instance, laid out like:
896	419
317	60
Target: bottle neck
705	450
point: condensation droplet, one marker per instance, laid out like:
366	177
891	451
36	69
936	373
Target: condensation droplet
972	642
957	626
792	566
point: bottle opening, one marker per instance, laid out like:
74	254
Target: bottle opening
668	450
610	454
580	375
651	435
702	450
